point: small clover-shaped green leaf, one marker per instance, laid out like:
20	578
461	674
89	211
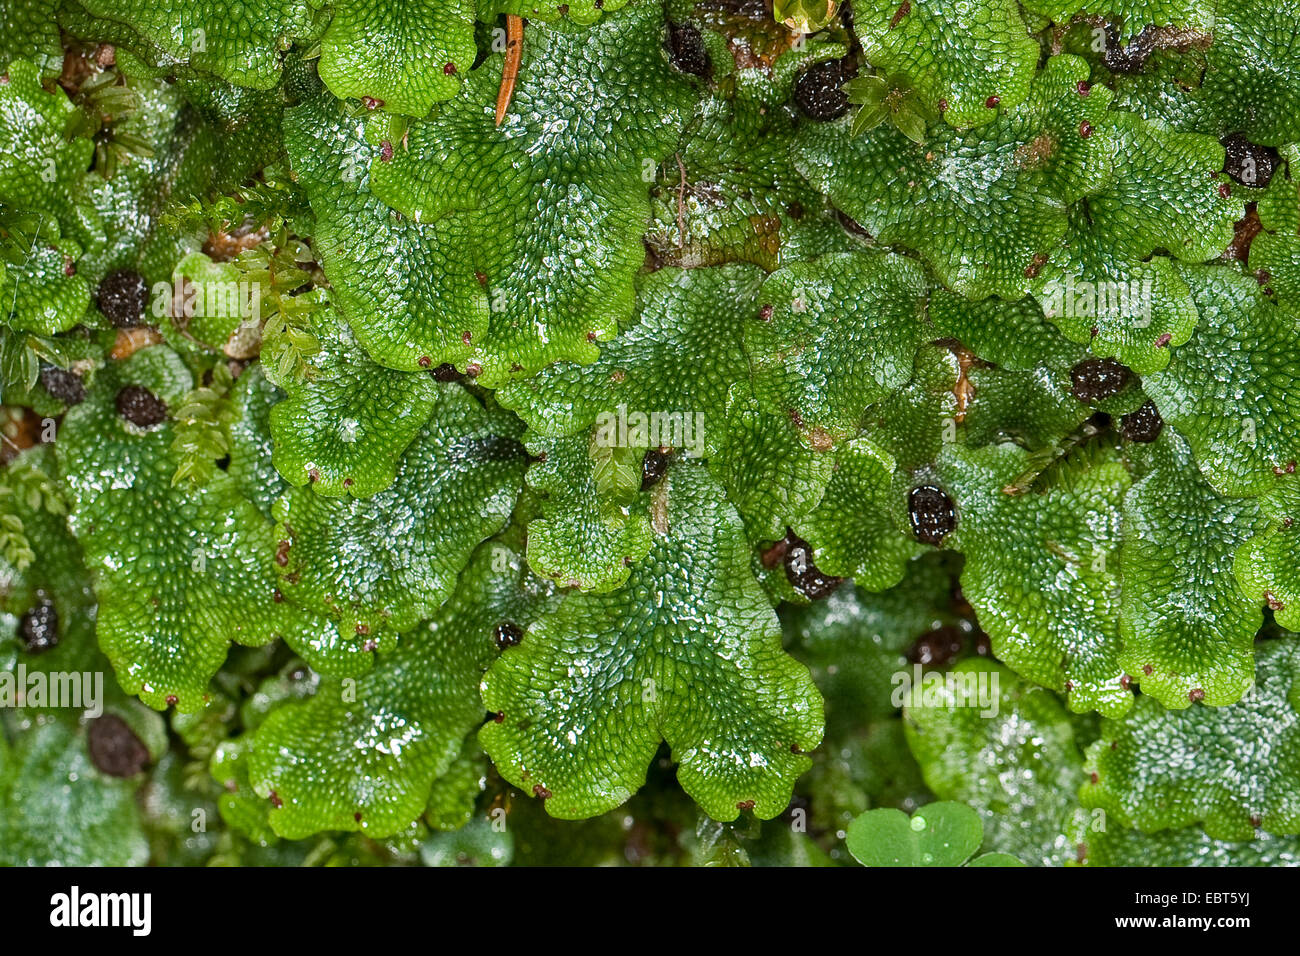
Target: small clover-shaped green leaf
938	834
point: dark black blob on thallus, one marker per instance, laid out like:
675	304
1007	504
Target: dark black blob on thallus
802	574
39	626
1143	425
686	49
1128	57
63	384
446	372
653	467
819	92
932	514
1096	379
122	297
114	747
140	407
507	634
937	647
1247	163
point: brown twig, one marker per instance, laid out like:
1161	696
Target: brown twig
510	71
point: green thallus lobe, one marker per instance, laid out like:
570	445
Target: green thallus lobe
865	278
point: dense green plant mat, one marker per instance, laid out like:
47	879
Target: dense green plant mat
691	434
